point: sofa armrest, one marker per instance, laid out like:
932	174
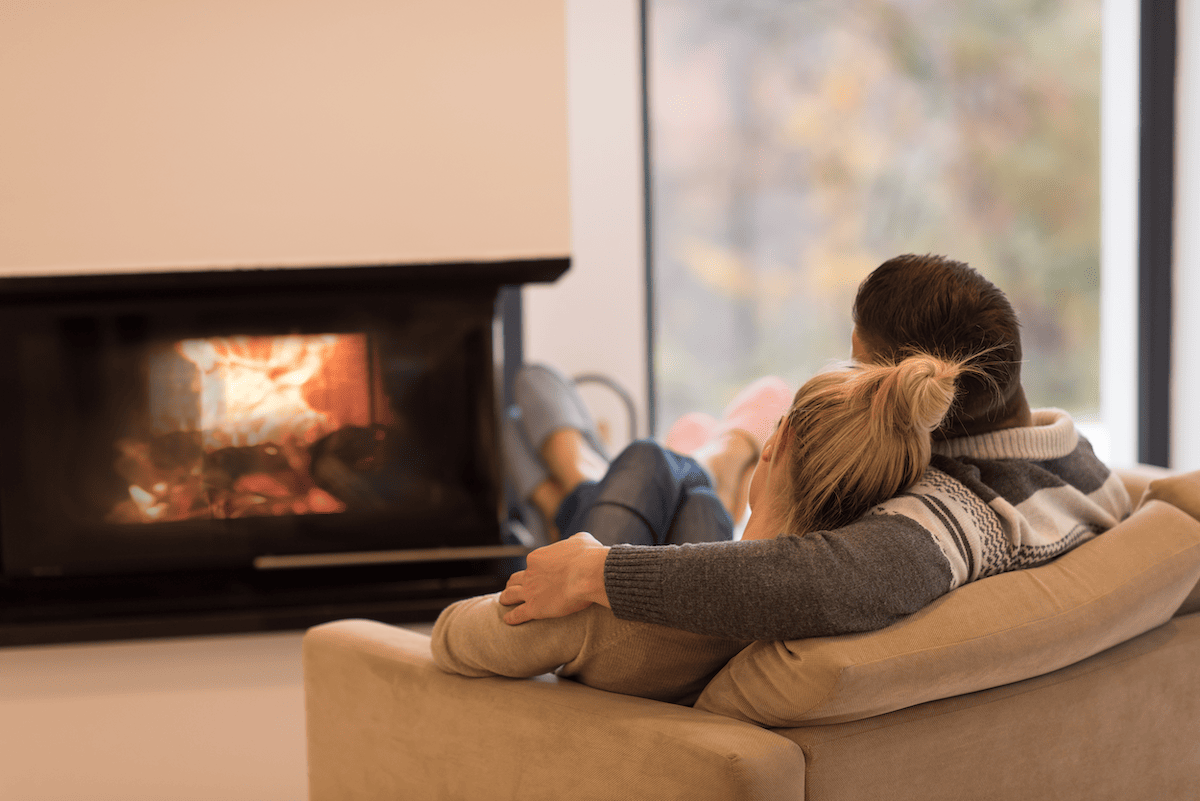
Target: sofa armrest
1182	490
385	723
1137	478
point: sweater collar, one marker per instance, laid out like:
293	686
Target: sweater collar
1051	436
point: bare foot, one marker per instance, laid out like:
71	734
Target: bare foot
547	497
730	458
571	460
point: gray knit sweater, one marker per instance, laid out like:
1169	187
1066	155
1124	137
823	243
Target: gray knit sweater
987	504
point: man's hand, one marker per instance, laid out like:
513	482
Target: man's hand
558	580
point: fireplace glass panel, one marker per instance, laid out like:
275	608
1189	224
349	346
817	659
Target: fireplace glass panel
201	432
256	426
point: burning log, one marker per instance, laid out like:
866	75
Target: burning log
345	462
171	479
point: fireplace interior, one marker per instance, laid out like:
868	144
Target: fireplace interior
201	452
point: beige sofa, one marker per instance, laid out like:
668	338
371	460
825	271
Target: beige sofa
1075	680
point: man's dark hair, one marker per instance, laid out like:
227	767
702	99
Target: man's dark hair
944	307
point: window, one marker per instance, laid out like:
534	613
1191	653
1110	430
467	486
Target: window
795	146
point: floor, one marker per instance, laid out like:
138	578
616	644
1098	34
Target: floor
186	719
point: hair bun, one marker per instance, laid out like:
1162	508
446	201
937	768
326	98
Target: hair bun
921	391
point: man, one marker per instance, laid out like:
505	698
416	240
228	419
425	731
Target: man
1008	488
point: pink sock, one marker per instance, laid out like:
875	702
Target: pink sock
757	409
690	432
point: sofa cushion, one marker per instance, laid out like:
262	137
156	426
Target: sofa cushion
985	634
1183	491
1138	477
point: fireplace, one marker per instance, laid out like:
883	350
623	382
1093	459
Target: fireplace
192	452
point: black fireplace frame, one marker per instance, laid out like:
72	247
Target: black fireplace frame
275	593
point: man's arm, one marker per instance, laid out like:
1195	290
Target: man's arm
558	580
861	577
858	578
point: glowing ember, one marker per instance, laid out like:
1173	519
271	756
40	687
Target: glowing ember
147	504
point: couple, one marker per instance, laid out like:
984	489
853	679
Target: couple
886	485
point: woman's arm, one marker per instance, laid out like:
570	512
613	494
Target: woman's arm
470	638
591	646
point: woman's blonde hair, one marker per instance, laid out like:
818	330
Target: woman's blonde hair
860	434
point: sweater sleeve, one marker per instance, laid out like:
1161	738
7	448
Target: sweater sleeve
470	638
862	577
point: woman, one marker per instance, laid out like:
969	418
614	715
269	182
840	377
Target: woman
851	439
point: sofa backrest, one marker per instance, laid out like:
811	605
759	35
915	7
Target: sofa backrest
985	634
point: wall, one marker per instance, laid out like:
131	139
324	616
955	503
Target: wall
142	135
1185	423
1116	438
594	319
222	717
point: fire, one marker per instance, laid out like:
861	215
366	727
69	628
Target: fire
252	388
234	419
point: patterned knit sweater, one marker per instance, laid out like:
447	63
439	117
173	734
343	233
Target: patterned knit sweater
987	504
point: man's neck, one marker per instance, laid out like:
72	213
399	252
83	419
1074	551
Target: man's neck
1020	417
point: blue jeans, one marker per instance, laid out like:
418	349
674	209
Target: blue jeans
649	496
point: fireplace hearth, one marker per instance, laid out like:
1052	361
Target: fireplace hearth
239	450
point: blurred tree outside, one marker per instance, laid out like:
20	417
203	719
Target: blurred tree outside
794	146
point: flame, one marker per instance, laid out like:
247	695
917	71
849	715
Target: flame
252	388
232	421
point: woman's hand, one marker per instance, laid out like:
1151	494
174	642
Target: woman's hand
558	580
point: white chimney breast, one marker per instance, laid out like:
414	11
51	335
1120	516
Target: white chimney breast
141	135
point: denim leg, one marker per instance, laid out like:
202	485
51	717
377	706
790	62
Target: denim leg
649	496
701	518
574	508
